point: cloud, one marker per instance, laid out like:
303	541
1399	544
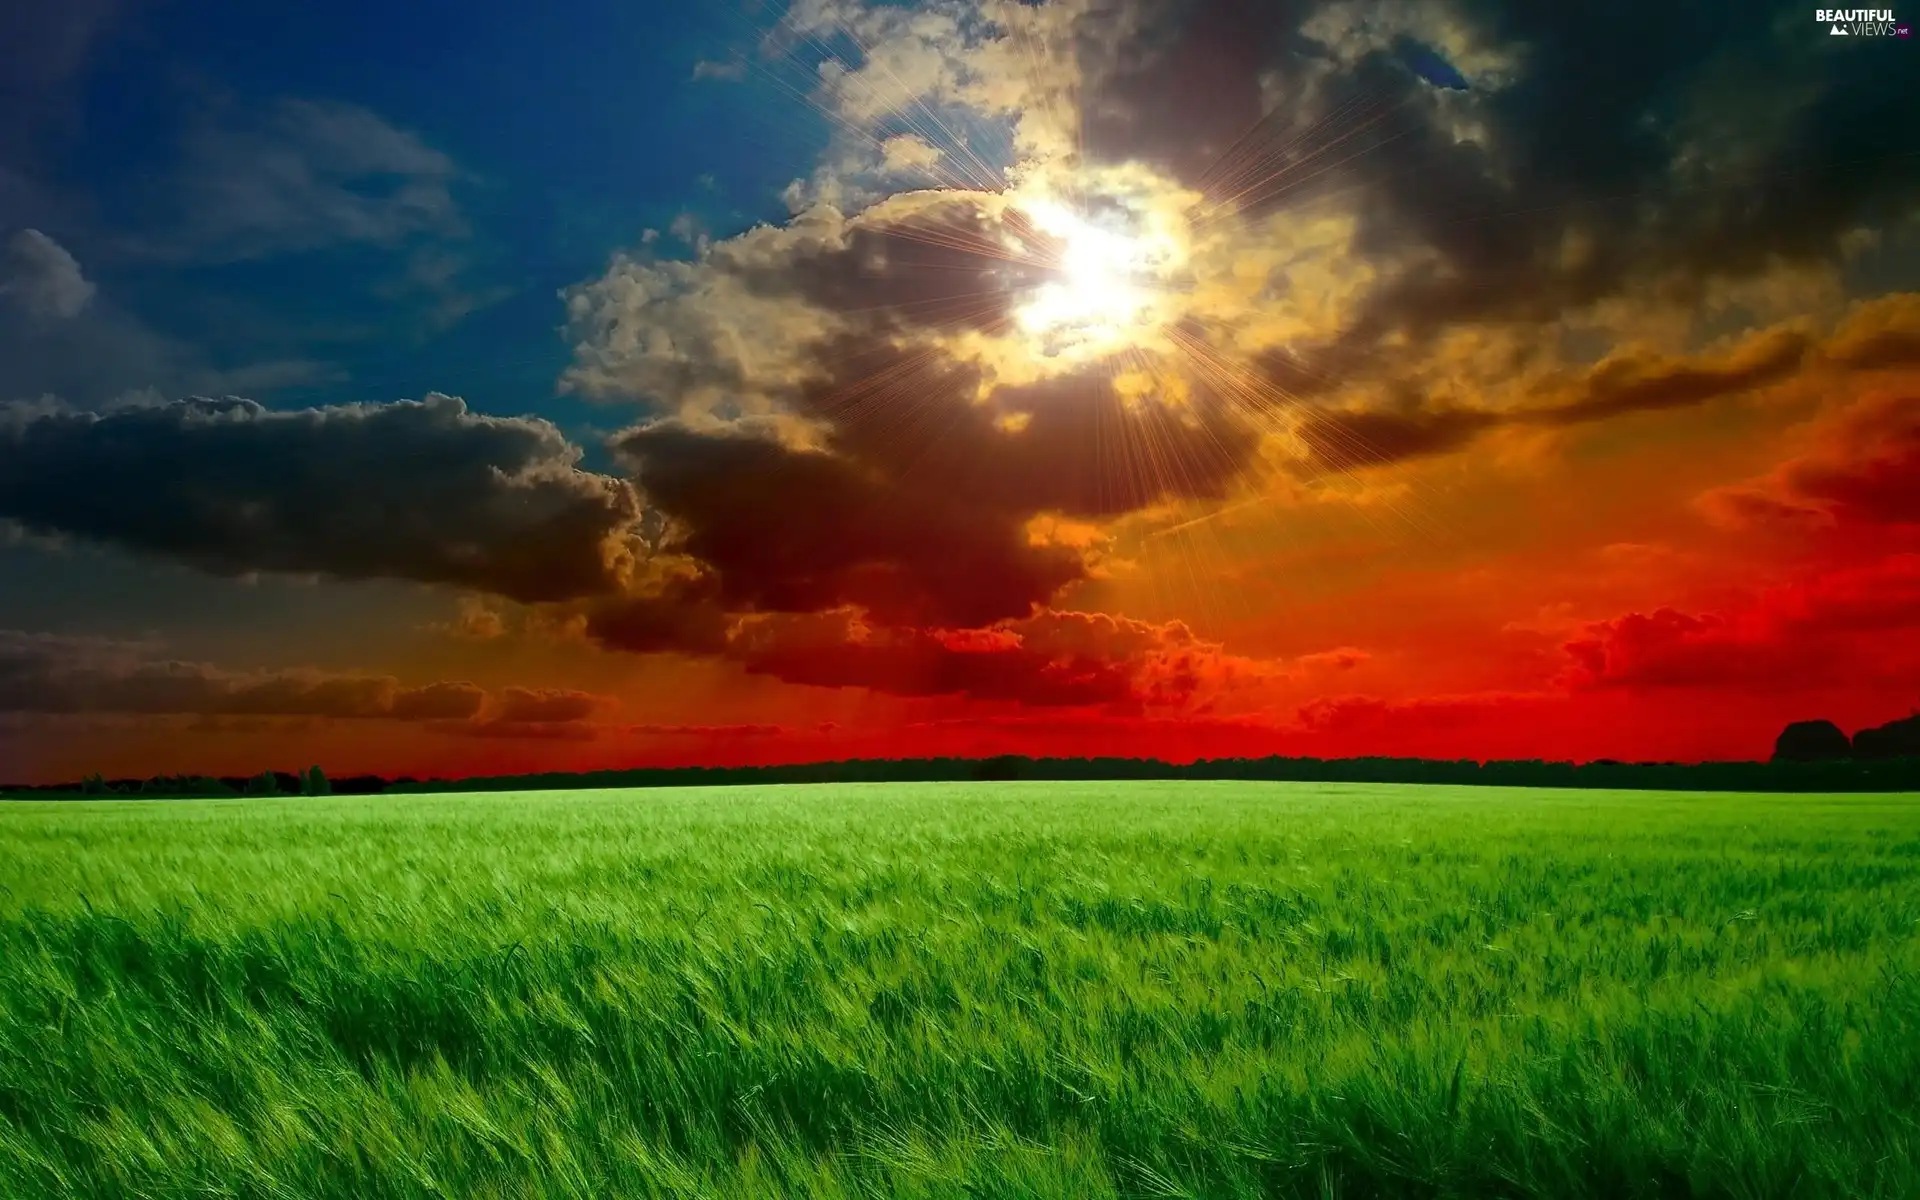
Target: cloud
1879	333
53	676
1861	471
1340	441
1353	191
45	673
538	731
1847	626
437	702
531	714
302	175
547	706
706	731
435	274
799	531
836	650
1632	383
1050	659
1579	157
850	425
474	620
425	491
59	335
41	278
1623	383
1441	714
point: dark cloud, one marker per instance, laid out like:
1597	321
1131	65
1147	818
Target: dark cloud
1610	143
1631	384
708	731
1051	659
1177	83
1080	448
42	673
1343	441
683	619
914	662
1350	439
1881	333
540	731
438	701
423	490
789	530
952	265
533	714
917	507
546	706
1862	472
854	496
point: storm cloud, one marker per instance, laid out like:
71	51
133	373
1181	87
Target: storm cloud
423	491
46	673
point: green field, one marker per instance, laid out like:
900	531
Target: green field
1032	989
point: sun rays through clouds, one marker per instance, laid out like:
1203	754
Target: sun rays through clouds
1241	339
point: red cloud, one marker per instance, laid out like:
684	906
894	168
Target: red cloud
1851	626
1864	471
548	705
1049	660
1064	660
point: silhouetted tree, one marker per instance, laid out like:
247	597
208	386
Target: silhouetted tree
1811	741
314	782
1007	766
1895	739
263	784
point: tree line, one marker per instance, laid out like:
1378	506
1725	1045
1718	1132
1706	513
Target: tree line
1809	756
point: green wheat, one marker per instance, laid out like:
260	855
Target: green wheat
963	990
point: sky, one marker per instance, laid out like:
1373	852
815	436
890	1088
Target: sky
449	391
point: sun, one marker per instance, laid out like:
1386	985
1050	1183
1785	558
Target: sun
1105	293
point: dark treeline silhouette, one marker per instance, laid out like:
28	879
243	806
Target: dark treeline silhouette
1793	769
1823	741
310	782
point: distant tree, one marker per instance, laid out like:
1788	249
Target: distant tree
94	785
314	782
1895	739
1005	767
1811	741
263	784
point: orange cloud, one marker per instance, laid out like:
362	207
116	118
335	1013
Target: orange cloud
1861	469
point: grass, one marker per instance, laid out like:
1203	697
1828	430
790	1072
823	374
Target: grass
1019	990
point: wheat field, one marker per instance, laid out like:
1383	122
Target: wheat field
963	990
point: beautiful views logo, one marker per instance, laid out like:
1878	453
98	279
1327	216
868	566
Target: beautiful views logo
1861	22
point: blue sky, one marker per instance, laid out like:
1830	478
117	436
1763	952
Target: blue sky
308	204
